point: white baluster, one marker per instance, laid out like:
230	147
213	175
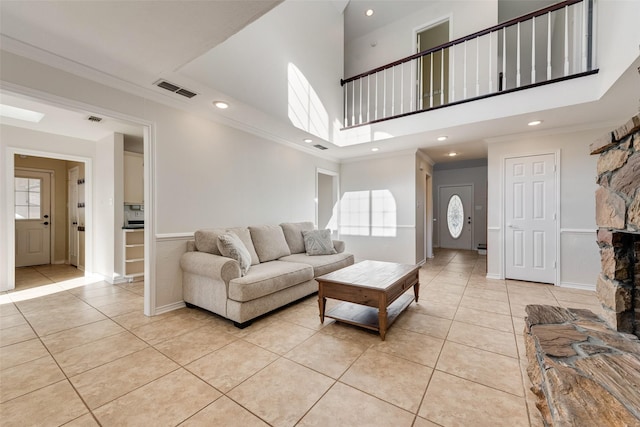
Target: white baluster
464	67
566	40
368	98
431	81
477	66
346	100
549	46
490	62
353	102
375	114
518	55
384	93
533	50
393	91
442	77
360	112
453	73
504	58
402	88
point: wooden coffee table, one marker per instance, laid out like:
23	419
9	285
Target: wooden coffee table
373	293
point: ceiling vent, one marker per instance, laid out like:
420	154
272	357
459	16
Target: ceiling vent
95	119
320	147
175	88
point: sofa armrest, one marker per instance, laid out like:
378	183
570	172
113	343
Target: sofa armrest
338	245
209	265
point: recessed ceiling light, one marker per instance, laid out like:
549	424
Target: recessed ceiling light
369	12
308	140
221	105
374	149
20	114
442	138
535	123
452	154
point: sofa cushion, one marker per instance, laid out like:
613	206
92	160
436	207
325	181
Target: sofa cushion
267	278
245	236
207	240
293	235
322	264
318	242
231	246
269	242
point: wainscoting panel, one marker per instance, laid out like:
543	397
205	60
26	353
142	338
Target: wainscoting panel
579	258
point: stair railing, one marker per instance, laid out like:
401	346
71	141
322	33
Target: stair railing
545	46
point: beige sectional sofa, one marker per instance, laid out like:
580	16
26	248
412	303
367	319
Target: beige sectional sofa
281	269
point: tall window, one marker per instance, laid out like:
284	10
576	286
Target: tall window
368	213
27	198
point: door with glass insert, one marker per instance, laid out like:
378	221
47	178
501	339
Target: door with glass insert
32	217
455	217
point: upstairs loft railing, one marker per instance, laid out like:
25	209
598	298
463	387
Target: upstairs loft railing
545	46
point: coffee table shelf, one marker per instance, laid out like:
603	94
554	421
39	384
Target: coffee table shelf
367	317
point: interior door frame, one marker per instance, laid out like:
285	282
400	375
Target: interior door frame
10	185
503	208
52	206
471	210
414	47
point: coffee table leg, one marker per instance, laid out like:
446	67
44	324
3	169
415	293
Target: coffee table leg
382	317
322	301
416	290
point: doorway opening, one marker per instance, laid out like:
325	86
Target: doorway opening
327	197
433	69
47	249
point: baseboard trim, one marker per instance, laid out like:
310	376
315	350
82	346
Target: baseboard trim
494	277
169	307
582	286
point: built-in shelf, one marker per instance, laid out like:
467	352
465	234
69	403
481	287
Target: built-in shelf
133	253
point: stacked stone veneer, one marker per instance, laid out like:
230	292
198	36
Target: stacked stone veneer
618	220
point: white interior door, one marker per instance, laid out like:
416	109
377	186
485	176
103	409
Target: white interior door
72	201
32	191
456	217
530	218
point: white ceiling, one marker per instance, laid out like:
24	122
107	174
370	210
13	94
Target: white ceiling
138	42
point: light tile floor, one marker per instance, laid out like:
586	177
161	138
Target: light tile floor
78	353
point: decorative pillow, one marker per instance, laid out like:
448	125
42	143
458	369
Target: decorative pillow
245	236
269	242
318	242
206	240
293	235
231	246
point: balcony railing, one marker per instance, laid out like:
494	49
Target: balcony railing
545	46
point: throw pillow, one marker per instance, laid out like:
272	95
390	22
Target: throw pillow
231	246
318	242
269	242
245	236
206	240
293	235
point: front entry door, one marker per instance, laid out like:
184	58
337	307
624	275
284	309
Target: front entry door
456	221
530	218
32	191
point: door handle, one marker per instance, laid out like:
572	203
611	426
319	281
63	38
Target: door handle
515	227
46	223
74	223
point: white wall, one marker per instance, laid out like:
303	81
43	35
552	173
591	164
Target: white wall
288	61
464	173
204	174
395	173
397	40
579	260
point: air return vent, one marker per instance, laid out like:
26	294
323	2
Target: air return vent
175	88
320	147
94	119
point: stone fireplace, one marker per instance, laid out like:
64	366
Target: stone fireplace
618	220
